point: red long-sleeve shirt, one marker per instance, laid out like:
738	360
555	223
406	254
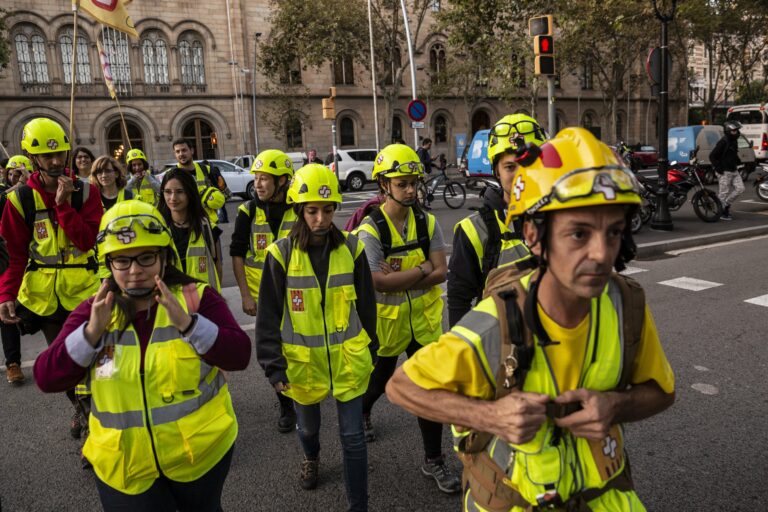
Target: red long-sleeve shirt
80	227
55	370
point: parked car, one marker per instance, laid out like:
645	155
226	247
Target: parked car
355	167
646	155
239	180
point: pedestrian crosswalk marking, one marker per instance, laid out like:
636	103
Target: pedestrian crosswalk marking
689	283
759	301
633	270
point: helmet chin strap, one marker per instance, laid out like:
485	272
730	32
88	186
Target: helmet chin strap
404	204
144	292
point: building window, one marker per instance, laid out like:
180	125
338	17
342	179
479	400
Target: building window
33	63
116	47
587	120
293	132
290	73
441	129
343	73
192	63
394	63
347	131
202	137
435	5
586	75
117	144
397	130
154	51
83	65
437	63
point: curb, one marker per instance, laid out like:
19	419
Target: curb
652	249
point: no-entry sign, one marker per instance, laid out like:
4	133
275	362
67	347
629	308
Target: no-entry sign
417	110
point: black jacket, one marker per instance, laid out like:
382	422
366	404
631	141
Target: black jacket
241	236
725	154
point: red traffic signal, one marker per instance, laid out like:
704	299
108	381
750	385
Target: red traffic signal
543	45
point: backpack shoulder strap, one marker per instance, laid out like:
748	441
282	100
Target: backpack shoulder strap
422	230
492	248
633	317
27	199
385	237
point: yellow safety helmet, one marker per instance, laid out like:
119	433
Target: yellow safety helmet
131	224
274	162
135	154
314	182
506	134
42	135
572	170
19	161
397	160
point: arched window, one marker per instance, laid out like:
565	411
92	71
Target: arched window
192	62
343	72
480	121
347	131
397	129
436	63
154	51
293	131
32	60
83	64
393	61
587	120
117	49
290	72
441	129
203	138
117	144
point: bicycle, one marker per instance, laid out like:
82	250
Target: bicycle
454	194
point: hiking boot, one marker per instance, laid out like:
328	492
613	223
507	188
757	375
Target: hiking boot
14	374
447	482
287	421
76	423
370	435
308	476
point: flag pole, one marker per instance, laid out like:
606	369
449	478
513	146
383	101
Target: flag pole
125	126
75	4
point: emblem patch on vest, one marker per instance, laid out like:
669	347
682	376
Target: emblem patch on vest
396	264
202	265
41	230
261	242
608	453
297	300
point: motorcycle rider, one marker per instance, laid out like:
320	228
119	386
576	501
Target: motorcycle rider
725	159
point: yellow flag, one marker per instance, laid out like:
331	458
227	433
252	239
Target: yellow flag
110	12
106	70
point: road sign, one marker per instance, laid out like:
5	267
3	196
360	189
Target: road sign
417	110
418	124
653	65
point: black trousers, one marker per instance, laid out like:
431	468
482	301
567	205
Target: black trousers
431	432
165	495
11	343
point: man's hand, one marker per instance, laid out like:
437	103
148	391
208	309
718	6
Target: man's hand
101	313
596	417
65	189
518	416
249	305
8	313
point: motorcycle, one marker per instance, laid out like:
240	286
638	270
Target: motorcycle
628	156
761	183
647	207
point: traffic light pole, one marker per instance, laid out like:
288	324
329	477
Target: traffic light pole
661	217
552	115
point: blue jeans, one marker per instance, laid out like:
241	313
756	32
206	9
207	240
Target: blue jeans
353	446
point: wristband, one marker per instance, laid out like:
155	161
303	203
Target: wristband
186	332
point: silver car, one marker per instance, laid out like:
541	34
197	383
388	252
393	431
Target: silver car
355	167
239	180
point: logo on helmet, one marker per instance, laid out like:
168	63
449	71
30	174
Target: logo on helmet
288	164
259	164
52	144
325	192
379	158
604	184
519	187
126	235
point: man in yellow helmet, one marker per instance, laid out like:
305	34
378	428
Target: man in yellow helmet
210	183
540	422
53	220
142	184
261	221
483	241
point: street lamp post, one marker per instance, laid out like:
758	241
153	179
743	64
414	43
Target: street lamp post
257	35
373	78
412	66
661	217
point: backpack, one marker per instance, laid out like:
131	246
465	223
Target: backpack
492	246
517	349
362	212
385	237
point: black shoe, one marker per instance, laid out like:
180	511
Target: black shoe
446	481
309	468
370	435
287	421
726	213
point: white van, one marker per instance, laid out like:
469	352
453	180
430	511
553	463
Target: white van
754	120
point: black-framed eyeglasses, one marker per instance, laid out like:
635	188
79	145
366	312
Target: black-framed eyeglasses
146	259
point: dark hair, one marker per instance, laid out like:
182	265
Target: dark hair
180	141
195	213
425	141
301	233
107	161
172	276
81	149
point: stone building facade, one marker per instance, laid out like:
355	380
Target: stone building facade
191	73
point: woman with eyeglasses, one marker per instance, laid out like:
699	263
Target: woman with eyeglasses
151	346
196	242
82	160
108	178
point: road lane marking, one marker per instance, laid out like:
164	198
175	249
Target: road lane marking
689	283
632	270
705	389
759	301
719	244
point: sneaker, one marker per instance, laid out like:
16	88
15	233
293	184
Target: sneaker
287	421
308	477
76	423
447	482
14	374
370	435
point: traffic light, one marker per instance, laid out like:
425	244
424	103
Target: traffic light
540	26
329	110
543	44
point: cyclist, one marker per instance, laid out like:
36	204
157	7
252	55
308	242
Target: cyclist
406	253
483	240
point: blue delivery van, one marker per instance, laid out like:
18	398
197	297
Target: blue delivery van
478	165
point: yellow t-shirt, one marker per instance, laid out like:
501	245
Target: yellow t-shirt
453	365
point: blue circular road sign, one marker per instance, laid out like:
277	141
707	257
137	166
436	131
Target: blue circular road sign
417	110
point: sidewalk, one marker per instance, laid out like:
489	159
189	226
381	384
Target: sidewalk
750	218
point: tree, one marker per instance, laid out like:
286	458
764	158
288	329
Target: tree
5	47
753	92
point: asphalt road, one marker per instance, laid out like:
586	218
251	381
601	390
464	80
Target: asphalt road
706	453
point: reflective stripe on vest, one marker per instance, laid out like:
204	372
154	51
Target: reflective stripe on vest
323	342
186	402
572	464
413	314
42	289
260	238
